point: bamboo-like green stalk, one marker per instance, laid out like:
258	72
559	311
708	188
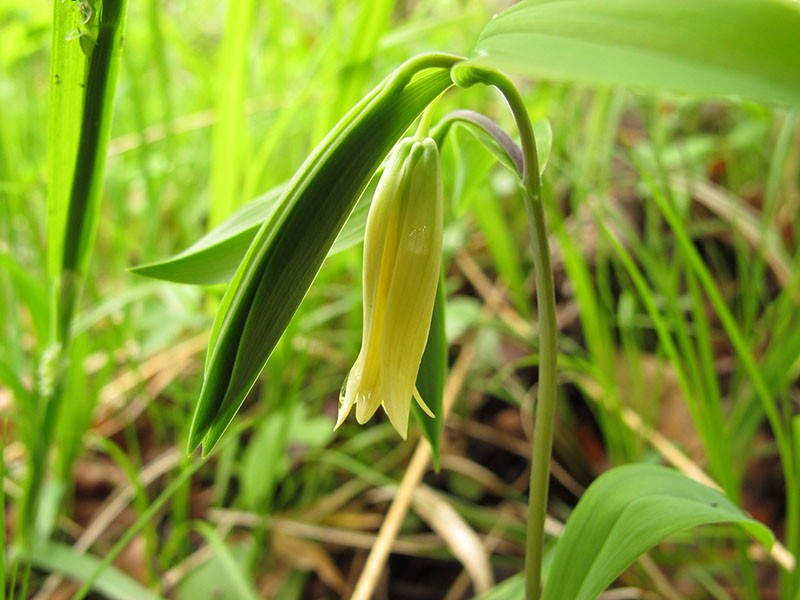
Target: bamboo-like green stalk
466	75
79	228
83	210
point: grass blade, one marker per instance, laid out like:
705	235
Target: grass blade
113	583
229	146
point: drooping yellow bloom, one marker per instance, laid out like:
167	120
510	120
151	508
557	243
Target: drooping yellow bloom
402	255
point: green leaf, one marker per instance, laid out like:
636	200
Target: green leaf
497	141
215	257
67	73
431	377
76	225
744	48
624	513
112	583
289	248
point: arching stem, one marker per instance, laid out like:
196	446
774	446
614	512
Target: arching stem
465	75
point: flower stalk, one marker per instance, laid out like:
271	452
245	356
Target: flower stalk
466	75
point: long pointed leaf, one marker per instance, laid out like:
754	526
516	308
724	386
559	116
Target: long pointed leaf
215	257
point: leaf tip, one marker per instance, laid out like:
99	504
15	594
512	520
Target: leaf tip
194	441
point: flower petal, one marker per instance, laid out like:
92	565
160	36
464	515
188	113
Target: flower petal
402	255
413	286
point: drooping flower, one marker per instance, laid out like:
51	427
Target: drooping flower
402	256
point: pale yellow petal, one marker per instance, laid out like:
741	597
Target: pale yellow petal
416	275
402	254
397	402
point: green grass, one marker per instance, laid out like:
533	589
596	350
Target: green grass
675	231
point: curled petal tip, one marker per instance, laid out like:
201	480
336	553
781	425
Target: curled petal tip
422	404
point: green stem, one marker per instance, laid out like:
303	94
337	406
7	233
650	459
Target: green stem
485	124
87	179
79	229
466	75
424	127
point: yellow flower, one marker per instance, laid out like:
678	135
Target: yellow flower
402	255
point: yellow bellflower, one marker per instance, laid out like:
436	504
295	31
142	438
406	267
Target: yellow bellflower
402	256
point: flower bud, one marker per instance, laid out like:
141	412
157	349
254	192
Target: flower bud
402	257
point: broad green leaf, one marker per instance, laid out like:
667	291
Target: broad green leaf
112	583
289	248
215	257
431	377
744	48
623	514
